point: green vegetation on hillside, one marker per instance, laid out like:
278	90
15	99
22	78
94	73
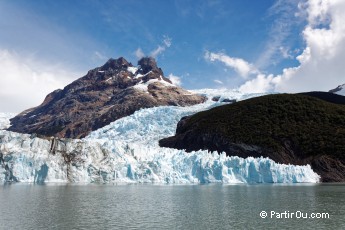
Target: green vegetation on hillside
311	125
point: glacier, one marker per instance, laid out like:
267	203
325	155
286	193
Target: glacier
5	120
127	151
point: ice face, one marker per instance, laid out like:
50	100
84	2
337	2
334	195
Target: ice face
127	151
31	159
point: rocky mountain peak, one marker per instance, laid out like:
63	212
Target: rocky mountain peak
339	90
148	64
150	70
112	64
103	95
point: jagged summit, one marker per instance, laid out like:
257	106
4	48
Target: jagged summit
339	90
148	64
103	95
116	64
149	68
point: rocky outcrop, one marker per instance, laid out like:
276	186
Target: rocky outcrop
291	129
338	88
225	100
105	94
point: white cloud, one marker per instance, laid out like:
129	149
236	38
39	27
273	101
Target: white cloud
175	79
24	82
31	32
287	15
218	81
99	56
166	43
160	49
285	52
139	53
242	67
318	11
260	84
322	61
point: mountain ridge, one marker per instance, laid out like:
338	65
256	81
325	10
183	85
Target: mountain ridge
339	90
103	95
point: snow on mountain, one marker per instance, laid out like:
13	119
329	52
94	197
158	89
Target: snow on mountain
127	151
5	120
226	94
339	90
132	69
143	86
103	95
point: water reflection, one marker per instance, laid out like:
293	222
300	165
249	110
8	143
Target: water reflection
24	206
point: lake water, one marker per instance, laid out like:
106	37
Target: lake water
24	206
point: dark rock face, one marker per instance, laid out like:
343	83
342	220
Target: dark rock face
224	100
102	96
340	87
290	129
215	98
227	100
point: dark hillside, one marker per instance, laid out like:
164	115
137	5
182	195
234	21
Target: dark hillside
330	97
288	128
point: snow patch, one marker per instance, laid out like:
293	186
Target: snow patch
143	86
226	94
142	75
132	69
341	91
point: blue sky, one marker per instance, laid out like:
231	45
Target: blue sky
207	44
83	34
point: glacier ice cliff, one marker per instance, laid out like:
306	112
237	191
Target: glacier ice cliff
127	151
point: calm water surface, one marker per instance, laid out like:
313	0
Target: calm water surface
24	206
